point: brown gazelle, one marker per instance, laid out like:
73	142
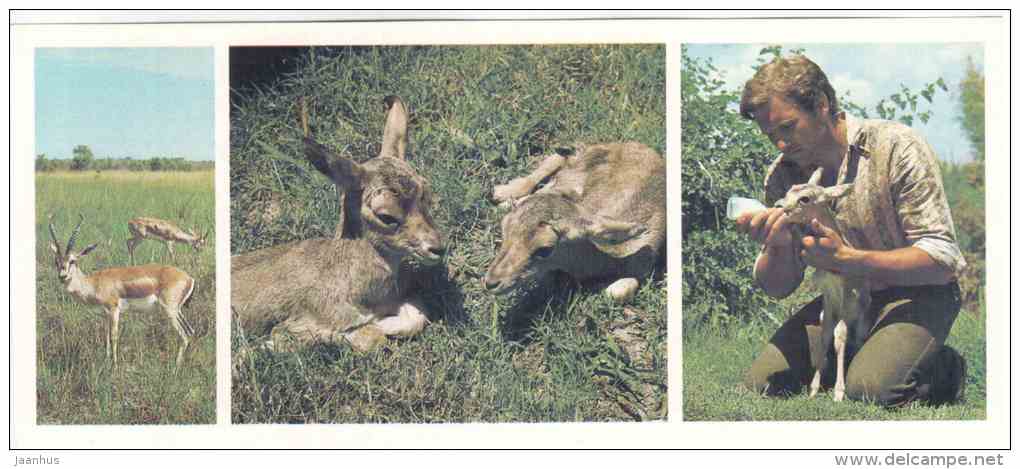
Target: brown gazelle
846	300
349	287
153	228
595	212
121	288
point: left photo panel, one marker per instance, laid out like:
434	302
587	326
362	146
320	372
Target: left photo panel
125	230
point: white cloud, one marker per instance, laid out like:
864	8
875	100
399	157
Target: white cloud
861	91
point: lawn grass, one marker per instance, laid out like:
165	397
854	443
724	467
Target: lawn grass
715	360
479	117
75	383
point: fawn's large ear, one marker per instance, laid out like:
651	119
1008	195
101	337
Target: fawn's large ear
816	177
394	142
344	172
613	237
87	249
836	192
55	249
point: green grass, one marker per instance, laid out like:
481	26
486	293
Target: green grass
479	117
75	383
715	360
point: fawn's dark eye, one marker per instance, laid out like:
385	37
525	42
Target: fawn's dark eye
542	253
804	200
387	220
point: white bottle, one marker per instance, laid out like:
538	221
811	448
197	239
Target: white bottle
738	206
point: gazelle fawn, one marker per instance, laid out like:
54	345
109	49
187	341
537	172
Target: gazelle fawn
846	315
595	212
349	287
119	289
143	228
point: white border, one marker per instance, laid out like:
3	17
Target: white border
992	433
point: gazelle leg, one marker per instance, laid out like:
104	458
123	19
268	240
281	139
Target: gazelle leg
839	342
183	329
170	247
131	244
114	314
816	383
409	321
523	186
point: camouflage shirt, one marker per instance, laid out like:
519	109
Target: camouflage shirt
897	199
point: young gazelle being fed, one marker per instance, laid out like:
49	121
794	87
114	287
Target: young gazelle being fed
596	213
119	289
846	315
153	228
349	287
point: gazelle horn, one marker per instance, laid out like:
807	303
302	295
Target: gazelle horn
53	234
74	234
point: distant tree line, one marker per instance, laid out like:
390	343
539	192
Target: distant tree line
84	160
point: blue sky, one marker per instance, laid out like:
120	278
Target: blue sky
137	102
871	72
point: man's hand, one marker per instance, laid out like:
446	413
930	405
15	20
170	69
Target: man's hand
769	227
825	249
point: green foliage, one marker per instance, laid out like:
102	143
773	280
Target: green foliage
175	164
479	117
724	155
972	108
82	158
43	164
75	383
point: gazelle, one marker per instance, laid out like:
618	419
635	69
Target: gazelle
350	287
121	288
596	212
846	300
153	228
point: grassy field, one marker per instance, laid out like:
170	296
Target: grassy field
716	358
479	117
75	383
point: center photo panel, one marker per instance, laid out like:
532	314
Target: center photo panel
432	234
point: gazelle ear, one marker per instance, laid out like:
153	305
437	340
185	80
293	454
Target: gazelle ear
613	237
816	177
87	249
394	142
836	192
55	249
344	172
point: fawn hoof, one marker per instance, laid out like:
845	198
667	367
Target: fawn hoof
839	395
623	290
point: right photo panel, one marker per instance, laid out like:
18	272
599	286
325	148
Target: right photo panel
833	232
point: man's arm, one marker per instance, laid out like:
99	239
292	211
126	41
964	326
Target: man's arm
907	266
778	270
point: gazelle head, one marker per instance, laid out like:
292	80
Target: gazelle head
66	262
547	232
385	200
805	202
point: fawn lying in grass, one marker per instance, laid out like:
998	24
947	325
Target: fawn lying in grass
601	214
348	288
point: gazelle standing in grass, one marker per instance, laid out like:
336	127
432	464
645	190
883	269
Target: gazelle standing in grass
846	315
121	288
153	228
